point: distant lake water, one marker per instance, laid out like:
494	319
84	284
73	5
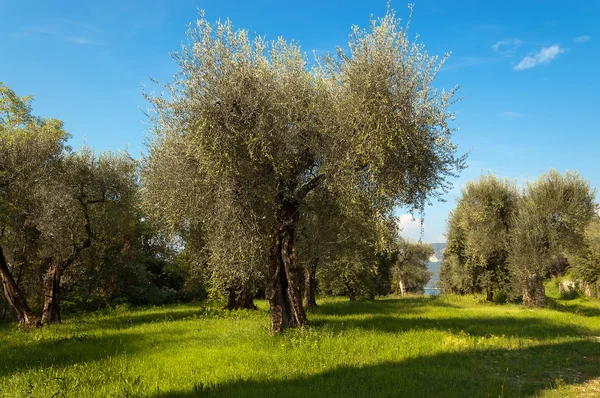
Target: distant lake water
432	291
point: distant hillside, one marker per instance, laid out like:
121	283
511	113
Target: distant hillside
434	263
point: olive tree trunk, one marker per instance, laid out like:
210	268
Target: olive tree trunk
285	290
285	287
401	286
240	299
15	297
534	293
310	284
51	311
350	292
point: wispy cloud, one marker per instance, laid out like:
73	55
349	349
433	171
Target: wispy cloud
456	63
510	115
582	39
65	30
84	41
507	47
544	56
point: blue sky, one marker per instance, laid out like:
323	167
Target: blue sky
528	70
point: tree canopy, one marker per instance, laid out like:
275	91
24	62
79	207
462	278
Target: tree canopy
249	128
478	234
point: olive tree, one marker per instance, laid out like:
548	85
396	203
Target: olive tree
488	205
257	130
585	263
91	190
410	266
478	234
455	277
50	199
30	152
553	215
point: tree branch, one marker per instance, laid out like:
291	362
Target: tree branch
309	186
87	242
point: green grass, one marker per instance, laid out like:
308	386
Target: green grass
416	346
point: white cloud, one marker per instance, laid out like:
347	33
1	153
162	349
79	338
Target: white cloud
510	115
507	47
582	39
410	227
544	56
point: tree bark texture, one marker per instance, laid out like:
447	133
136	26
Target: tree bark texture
310	284
285	290
240	299
15	297
534	294
51	311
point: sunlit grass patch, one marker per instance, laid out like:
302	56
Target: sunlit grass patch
413	346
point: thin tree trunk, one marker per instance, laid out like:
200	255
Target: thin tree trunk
534	294
15	297
489	296
285	290
349	290
402	286
310	284
51	311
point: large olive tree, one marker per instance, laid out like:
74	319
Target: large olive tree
254	129
482	221
552	218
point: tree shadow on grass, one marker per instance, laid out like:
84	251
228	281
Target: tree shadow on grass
573	308
77	348
144	316
66	351
489	373
386	306
532	328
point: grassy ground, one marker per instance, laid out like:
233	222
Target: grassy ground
418	346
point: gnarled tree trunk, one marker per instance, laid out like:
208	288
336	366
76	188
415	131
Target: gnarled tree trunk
51	311
15	297
285	290
310	284
240	299
534	293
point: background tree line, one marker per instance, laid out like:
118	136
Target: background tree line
505	242
266	176
75	235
